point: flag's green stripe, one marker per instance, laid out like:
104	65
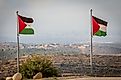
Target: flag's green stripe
27	31
100	33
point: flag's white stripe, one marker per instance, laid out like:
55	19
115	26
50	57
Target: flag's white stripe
29	25
103	27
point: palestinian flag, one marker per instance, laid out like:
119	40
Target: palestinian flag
25	25
99	26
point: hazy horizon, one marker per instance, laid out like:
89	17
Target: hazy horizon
60	21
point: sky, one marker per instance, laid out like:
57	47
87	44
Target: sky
60	21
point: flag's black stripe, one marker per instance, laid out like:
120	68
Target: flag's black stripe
100	21
27	20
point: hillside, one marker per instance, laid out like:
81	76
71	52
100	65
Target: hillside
8	50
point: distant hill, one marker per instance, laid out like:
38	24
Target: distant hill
8	50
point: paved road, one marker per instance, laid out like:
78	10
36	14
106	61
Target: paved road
85	78
98	78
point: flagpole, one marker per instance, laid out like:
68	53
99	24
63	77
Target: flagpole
91	45
17	43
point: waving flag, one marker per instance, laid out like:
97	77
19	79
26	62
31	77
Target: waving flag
99	26
25	25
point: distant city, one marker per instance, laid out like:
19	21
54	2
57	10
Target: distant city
9	49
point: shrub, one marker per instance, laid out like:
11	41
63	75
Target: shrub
35	64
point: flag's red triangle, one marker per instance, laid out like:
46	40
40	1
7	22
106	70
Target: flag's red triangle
95	26
22	25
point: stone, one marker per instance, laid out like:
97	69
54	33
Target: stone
17	76
9	78
38	76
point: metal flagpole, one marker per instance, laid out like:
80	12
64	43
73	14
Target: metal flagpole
17	43
91	45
